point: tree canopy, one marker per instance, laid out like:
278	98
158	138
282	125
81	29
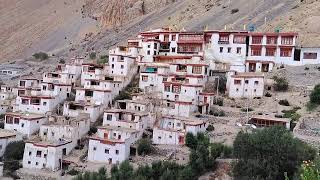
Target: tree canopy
269	154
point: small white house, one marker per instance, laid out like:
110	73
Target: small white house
24	123
245	85
112	144
173	129
6	137
74	109
310	55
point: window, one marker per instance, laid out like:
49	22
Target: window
308	55
45	155
122	66
238	50
270	51
178	124
22	124
106	151
272	40
94	148
122	58
25	101
29	162
256	82
237	81
223	38
30	153
256	52
170	137
37	163
109	117
246	81
117	151
155	45
144	78
149	45
112	66
167	88
257	40
255	90
221	49
173	49
16	120
239	39
237	89
9	120
197	69
229	49
38	153
148	52
22	83
44	103
285	52
159	137
88	93
287	40
176	89
173	37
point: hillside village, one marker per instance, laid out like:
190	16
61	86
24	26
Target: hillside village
161	86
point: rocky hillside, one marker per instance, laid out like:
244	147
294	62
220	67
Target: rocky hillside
58	26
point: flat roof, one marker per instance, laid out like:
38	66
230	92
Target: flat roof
25	115
248	74
129	130
4	133
37	141
271	118
139	113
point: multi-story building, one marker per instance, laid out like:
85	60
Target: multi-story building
24	123
7	96
173	129
121	128
248	85
56	140
267	49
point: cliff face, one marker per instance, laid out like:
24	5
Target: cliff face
118	12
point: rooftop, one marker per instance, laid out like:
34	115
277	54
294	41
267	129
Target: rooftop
138	113
25	115
64	121
7	133
115	128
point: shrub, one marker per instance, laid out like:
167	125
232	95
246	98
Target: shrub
103	59
73	172
218	101
144	146
92	55
306	68
41	56
286	154
315	95
92	130
210	128
12	155
62	61
246	109
281	83
233	11
268	94
284	102
311	106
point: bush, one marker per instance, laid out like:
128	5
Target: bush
268	94
284	102
306	68
281	83
92	55
246	109
268	153
41	56
292	114
315	95
73	172
233	11
101	174
210	128
218	101
311	106
12	155
62	61
144	146
92	130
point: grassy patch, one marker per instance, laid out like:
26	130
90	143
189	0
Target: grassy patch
311	106
292	114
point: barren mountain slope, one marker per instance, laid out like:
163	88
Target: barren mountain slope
29	26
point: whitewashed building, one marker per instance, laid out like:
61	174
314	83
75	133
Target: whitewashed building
74	109
173	129
246	85
56	140
310	55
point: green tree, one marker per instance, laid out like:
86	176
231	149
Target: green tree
92	55
315	95
144	146
310	170
191	141
268	154
281	83
125	170
41	56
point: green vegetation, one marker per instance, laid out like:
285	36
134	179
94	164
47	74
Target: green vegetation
284	102
246	109
310	170
269	154
12	155
40	56
126	93
210	128
218	101
144	146
281	83
268	94
92	130
315	95
217	112
103	59
100	175
292	114
93	55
